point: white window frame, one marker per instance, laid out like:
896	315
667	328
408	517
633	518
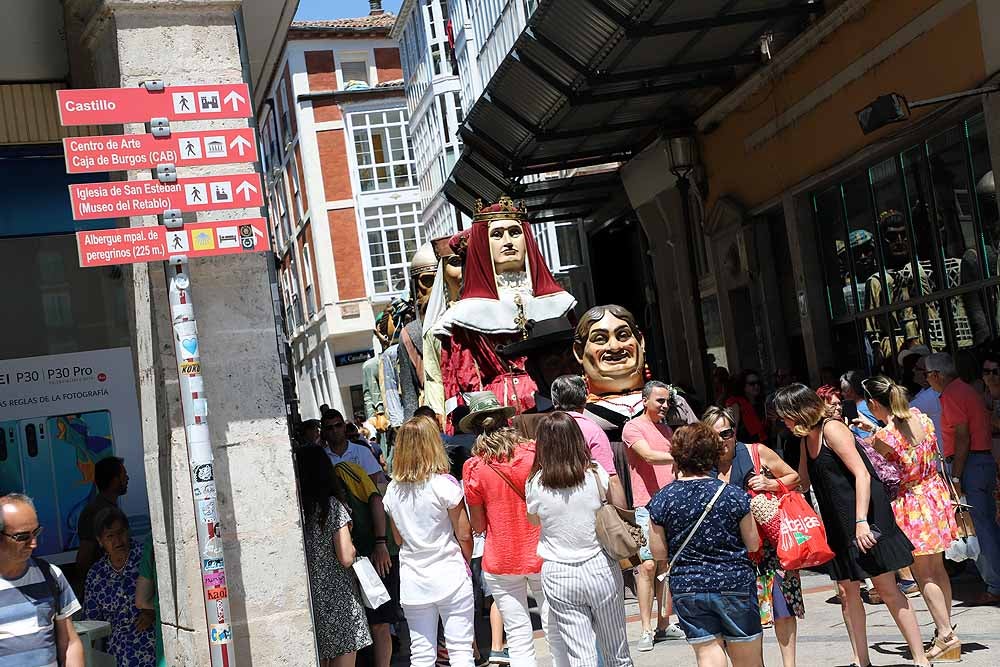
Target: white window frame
367	56
307	275
382	212
353	117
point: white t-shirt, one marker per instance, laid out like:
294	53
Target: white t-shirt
567	517
359	455
431	565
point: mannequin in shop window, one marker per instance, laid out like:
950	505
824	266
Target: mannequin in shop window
505	285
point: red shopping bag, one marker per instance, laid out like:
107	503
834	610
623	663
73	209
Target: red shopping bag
787	521
803	538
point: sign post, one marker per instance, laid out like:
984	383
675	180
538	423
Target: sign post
173	242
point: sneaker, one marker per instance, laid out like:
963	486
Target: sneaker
645	641
671	632
500	657
909	588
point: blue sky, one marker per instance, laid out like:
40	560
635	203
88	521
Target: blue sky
313	10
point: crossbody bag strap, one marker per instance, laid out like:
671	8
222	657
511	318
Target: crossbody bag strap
600	489
697	525
510	482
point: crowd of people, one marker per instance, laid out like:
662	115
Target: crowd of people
509	509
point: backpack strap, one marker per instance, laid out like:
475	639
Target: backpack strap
50	581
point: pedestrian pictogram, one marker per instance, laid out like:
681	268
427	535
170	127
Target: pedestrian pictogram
111	106
116	199
129	245
144	151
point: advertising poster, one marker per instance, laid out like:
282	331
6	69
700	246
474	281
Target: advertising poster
59	415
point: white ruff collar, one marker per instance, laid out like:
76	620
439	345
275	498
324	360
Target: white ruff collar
495	316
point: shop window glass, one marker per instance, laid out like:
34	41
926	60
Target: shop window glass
923	222
829	210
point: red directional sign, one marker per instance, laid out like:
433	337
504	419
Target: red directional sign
119	199
129	245
144	151
111	106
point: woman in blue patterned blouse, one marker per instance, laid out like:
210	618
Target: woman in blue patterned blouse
110	592
712	581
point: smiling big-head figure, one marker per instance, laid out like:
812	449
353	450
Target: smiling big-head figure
609	346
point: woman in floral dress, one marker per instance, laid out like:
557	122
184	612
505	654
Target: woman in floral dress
110	592
341	626
923	507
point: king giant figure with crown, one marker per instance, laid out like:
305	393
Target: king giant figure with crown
505	285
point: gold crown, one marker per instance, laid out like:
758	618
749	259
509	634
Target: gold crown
504	209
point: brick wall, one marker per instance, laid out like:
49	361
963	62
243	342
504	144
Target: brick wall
326	110
388	64
321	71
333	162
347	254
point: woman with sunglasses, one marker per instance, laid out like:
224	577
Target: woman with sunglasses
923	507
736	467
860	525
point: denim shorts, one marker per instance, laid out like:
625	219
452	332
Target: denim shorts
729	615
642	520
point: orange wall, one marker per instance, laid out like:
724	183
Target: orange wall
326	110
947	58
388	64
321	71
347	254
333	162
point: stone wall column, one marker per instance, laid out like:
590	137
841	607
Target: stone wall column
120	43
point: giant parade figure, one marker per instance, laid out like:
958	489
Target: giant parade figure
505	285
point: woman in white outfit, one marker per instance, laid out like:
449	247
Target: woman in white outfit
432	528
583	585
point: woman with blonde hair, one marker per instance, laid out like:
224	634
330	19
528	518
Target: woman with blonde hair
923	507
860	526
432	528
494	480
736	467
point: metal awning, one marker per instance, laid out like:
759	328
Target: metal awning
595	81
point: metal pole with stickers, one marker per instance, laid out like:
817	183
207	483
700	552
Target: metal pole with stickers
174	241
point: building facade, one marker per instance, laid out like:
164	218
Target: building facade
113	325
791	239
345	205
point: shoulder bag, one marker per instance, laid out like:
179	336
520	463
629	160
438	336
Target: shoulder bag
616	529
518	490
665	577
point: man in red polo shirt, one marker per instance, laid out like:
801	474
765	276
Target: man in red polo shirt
965	442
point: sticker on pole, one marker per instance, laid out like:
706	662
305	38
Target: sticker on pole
130	245
144	151
119	199
113	106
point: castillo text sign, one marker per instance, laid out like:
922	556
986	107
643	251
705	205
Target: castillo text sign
112	106
118	199
129	245
144	151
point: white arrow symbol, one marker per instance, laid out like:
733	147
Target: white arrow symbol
240	142
233	97
245	188
257	232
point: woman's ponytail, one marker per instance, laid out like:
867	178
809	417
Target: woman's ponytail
899	404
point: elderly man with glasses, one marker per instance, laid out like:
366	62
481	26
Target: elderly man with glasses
966	444
37	601
928	399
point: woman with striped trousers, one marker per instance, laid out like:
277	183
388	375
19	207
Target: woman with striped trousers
581	582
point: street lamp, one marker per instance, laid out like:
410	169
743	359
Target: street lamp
894	108
683	153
